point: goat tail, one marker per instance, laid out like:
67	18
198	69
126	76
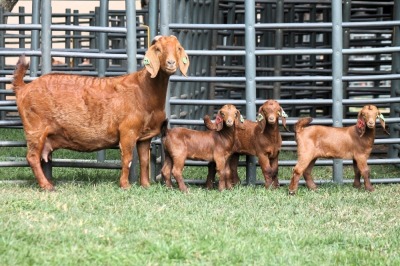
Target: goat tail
301	123
164	128
19	73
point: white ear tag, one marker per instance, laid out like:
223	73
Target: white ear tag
260	117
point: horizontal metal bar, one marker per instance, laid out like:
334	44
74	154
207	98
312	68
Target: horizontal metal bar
177	78
358	102
67	54
10	123
67	27
302	25
7	143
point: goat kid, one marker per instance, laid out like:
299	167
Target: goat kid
214	145
88	113
262	139
353	142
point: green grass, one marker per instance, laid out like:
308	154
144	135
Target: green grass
90	221
98	224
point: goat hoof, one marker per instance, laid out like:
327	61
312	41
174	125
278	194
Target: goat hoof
48	187
125	187
292	192
370	189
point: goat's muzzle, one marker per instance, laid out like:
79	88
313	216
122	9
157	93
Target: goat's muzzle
229	122
371	124
271	119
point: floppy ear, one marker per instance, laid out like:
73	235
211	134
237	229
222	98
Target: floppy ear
261	119
217	126
151	61
239	120
382	121
208	123
183	61
283	116
219	122
360	125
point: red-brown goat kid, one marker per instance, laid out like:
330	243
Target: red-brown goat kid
88	113
214	145
353	142
261	139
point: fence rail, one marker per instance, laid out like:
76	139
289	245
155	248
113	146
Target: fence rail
317	58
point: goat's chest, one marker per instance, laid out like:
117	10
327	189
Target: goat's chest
151	124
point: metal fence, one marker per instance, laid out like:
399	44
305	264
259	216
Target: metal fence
325	59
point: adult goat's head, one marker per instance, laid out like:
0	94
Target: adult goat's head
166	54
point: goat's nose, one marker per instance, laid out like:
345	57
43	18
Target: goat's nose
271	119
229	122
371	124
171	62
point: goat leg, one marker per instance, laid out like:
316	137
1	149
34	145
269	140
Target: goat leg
143	148
357	175
177	173
307	176
210	175
274	174
166	170
35	146
266	170
233	162
364	170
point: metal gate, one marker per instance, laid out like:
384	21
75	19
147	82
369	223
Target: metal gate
319	58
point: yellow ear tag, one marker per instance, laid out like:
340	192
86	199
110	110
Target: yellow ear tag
184	60
381	117
241	119
146	61
283	114
260	117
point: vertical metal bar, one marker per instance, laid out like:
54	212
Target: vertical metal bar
34	62
153	15
346	44
250	35
103	22
165	13
68	34
337	80
395	86
46	60
2	60
131	47
278	45
21	21
46	36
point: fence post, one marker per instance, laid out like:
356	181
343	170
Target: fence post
102	64
337	80
35	39
250	35
46	60
395	86
131	50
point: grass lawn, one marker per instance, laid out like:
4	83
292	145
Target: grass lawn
85	223
90	221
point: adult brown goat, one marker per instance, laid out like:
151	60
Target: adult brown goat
353	142
88	113
214	145
261	139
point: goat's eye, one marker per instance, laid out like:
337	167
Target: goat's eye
222	114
